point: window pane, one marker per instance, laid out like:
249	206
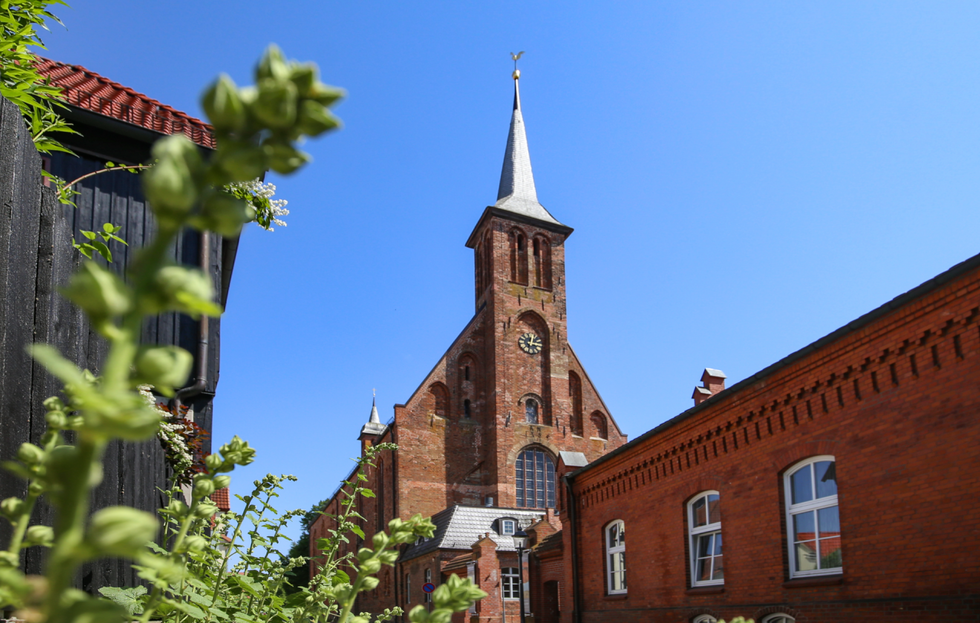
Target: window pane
801	485
830	554
717	551
550	482
714	509
719	573
803	526
622	534
704	545
613	535
704	569
829	522
699	512
806	555
826	478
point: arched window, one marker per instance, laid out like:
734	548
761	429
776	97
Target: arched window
537	262
704	527
779	618
616	557
531	411
812	519
510	580
575	393
704	618
541	254
440	399
535	479
599	424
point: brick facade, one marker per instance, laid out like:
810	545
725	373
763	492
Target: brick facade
893	397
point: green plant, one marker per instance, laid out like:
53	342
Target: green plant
20	82
257	128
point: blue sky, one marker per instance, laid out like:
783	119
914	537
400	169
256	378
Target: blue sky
743	178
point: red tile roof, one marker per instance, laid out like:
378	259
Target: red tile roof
222	499
90	91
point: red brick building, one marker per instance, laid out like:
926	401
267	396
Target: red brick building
843	480
481	436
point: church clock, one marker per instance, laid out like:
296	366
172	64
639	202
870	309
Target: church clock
530	343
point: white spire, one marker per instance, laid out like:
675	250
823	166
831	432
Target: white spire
517	192
374	425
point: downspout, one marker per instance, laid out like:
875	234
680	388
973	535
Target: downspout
200	383
572	519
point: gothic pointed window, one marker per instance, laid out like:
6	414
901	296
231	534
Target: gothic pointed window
531	411
535	470
599	424
518	257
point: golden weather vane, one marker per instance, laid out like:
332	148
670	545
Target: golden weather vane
515	58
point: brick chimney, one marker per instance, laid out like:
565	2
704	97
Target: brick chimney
712	382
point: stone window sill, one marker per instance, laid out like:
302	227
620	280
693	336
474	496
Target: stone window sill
616	597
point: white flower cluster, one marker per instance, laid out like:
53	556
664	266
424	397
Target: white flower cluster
178	454
264	191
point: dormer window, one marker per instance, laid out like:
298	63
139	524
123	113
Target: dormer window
508	527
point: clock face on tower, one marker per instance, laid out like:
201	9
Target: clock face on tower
530	343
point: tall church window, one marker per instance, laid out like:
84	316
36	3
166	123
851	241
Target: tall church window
541	256
616	558
466	408
531	411
518	257
575	393
535	479
599	424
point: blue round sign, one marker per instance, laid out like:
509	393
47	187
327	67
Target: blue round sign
428	587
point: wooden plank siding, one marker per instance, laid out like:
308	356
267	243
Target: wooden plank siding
36	259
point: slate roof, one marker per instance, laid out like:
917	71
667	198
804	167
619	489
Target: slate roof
88	90
516	192
459	527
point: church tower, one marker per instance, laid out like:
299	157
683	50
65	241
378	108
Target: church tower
487	425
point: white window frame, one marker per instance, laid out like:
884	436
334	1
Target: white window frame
694	534
809	506
510	581
504	523
779	617
705	618
614	549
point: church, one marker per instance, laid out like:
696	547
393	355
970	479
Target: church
480	439
842	479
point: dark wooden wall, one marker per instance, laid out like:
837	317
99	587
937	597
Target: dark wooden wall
36	258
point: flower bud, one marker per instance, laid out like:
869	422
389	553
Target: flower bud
283	157
195	543
56	420
240	160
181	289
171	185
98	291
272	65
203	487
213	462
164	367
325	94
121	531
370	566
11	508
221	482
275	105
223	106
39	535
369	584
177	508
205	510
225	214
29	454
314	119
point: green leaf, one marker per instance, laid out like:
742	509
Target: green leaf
50	358
103	250
356	530
88	234
128	598
107	227
367	493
